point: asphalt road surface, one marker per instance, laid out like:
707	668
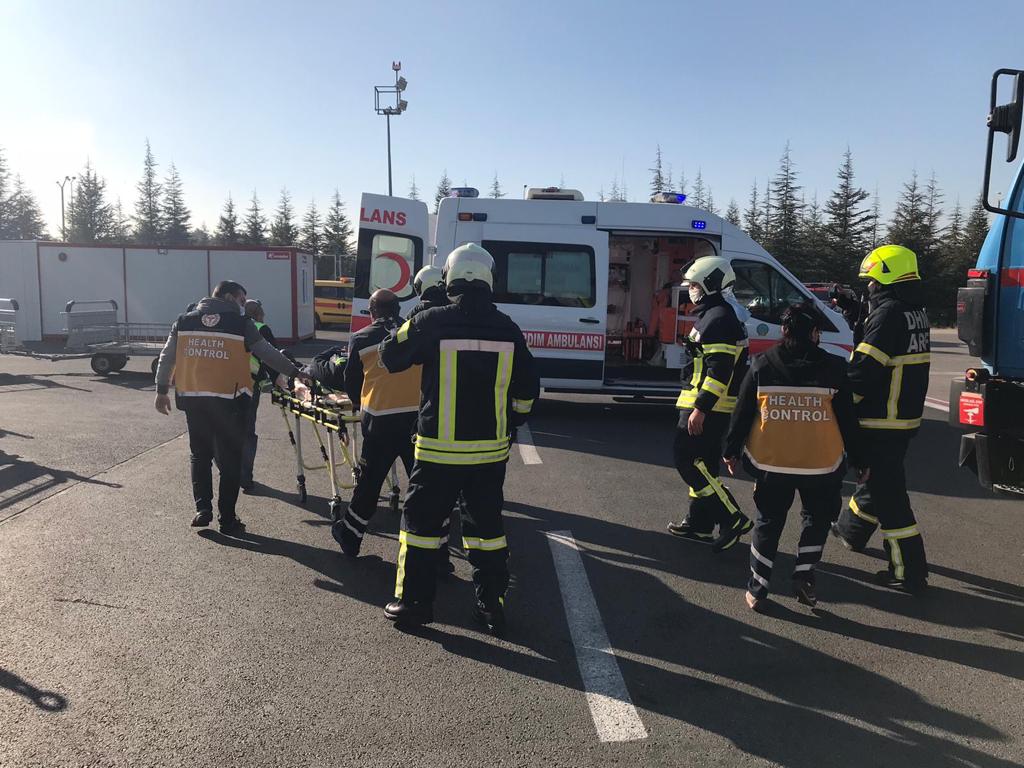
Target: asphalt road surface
131	639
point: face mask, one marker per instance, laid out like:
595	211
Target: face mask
696	294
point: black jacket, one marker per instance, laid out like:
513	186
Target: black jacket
781	367
479	379
889	367
715	358
435	296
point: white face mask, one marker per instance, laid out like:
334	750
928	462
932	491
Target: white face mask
696	293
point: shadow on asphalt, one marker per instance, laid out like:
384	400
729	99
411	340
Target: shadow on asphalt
20	480
48	701
26	382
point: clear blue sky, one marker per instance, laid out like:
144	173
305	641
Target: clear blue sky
260	95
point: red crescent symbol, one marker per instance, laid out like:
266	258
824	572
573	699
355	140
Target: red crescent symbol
403	267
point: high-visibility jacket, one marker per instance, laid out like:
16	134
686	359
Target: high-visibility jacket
715	359
479	379
211	359
369	385
794	415
889	367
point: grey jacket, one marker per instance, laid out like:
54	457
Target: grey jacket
254	343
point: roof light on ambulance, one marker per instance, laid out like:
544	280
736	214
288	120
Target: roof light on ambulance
464	192
674	198
699	224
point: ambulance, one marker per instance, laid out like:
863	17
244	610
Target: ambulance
594	286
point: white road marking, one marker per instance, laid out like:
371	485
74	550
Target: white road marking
938	405
614	715
527	450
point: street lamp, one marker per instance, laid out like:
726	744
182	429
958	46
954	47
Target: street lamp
71	181
387	109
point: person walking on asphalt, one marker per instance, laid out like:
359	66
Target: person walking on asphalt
388	403
889	372
795	428
479	382
715	362
261	378
207	352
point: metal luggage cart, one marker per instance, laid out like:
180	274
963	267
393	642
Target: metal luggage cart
93	331
9	326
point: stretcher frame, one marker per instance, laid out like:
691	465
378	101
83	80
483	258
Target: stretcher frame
334	413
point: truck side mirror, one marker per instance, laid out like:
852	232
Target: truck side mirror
1004	118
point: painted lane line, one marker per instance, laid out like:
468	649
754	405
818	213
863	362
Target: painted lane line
936	403
527	450
614	715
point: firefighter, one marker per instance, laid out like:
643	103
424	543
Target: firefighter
207	351
429	286
478	383
889	373
715	362
261	379
388	403
795	428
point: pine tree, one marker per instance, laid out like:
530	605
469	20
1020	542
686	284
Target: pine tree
283	231
444	188
847	226
682	184
616	195
147	206
909	226
732	213
700	192
933	214
90	218
875	220
175	217
657	177
813	242
121	229
200	235
24	219
311	237
711	208
784	215
668	180
975	231
6	227
414	191
227	232
254	225
337	240
496	192
600	195
752	218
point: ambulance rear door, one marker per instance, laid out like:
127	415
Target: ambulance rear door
392	241
553	281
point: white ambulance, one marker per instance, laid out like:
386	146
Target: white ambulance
594	286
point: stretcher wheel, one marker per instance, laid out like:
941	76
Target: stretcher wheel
302	493
395	499
335	507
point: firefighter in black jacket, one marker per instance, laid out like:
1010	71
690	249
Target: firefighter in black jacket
795	427
388	403
889	373
478	383
429	285
715	363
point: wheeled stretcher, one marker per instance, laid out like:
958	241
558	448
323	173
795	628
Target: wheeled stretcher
332	411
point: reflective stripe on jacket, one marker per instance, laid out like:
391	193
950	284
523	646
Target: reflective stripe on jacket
715	359
210	357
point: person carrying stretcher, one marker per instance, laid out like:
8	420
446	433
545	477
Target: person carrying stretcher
388	402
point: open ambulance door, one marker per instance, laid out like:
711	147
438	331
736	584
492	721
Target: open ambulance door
553	281
391	246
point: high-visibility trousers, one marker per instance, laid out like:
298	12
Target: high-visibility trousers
883	502
433	491
697	459
820	501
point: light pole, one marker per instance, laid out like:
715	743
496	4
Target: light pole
387	109
71	181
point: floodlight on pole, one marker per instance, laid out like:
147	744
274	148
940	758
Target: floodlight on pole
388	108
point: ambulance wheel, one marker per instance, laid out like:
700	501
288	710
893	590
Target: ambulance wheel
102	364
335	507
154	365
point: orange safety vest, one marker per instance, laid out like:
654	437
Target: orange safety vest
797	433
210	356
384	393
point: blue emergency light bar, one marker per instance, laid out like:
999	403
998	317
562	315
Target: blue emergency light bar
680	198
699	224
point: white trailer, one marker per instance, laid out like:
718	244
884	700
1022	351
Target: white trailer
151	284
594	286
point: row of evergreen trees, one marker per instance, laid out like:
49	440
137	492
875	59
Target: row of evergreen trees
20	217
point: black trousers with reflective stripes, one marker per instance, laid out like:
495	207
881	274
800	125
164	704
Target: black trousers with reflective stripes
433	491
251	438
821	503
883	501
389	439
697	459
216	432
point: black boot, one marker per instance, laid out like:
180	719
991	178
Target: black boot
407	613
731	532
348	541
491	617
232	526
886	579
834	530
804	591
202	519
684	530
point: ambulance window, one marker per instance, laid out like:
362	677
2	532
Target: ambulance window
548	274
388	261
764	290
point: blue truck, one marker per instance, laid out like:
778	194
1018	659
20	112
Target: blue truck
988	401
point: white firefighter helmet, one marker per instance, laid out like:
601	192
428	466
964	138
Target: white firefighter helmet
428	277
469	262
712	273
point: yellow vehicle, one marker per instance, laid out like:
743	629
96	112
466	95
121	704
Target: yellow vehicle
332	301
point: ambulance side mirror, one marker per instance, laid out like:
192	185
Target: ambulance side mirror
1008	119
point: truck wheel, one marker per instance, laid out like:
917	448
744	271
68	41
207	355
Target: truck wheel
102	364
